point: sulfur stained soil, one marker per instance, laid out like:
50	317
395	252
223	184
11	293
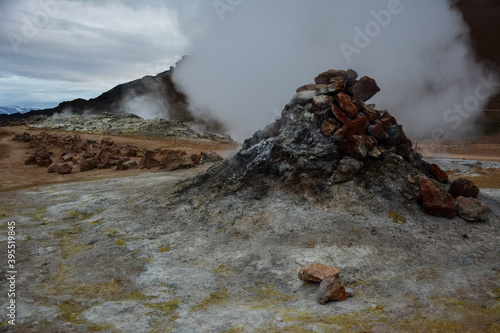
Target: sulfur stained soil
126	252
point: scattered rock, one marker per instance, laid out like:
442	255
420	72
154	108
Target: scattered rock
317	272
436	201
472	209
330	289
128	165
88	164
322	101
310	86
31	160
378	131
463	188
148	160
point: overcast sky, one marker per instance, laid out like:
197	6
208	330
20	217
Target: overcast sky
56	50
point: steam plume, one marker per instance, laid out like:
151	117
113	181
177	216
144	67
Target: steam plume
250	62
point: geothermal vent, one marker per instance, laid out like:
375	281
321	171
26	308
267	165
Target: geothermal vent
327	135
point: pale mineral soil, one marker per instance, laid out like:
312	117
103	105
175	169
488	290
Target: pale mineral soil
107	251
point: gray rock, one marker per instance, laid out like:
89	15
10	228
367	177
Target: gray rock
472	209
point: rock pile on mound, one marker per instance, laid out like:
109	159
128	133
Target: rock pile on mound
328	135
90	154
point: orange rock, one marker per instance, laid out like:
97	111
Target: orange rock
317	272
347	105
440	175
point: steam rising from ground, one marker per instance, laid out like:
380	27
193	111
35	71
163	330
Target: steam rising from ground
247	66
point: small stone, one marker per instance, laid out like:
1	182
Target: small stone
127	165
330	289
349	292
472	209
107	142
317	272
356	146
327	128
303	97
410	179
370	112
209	156
31	160
378	132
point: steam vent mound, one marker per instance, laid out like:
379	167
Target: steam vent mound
327	135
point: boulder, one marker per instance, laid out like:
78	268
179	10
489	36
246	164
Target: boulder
209	156
364	88
347	105
326	77
121	161
317	272
441	176
472	209
435	200
330	289
463	188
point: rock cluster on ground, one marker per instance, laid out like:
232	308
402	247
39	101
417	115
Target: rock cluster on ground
330	289
90	154
328	135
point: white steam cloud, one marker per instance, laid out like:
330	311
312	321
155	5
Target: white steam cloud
254	54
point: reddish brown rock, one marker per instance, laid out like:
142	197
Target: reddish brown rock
317	272
327	128
64	169
440	174
356	146
364	88
330	289
306	87
31	160
130	151
88	164
325	77
347	105
463	188
121	161
436	201
378	132
355	127
53	168
370	112
339	114
173	163
107	142
149	160
472	209
68	157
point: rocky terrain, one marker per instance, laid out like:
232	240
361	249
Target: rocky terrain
334	181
